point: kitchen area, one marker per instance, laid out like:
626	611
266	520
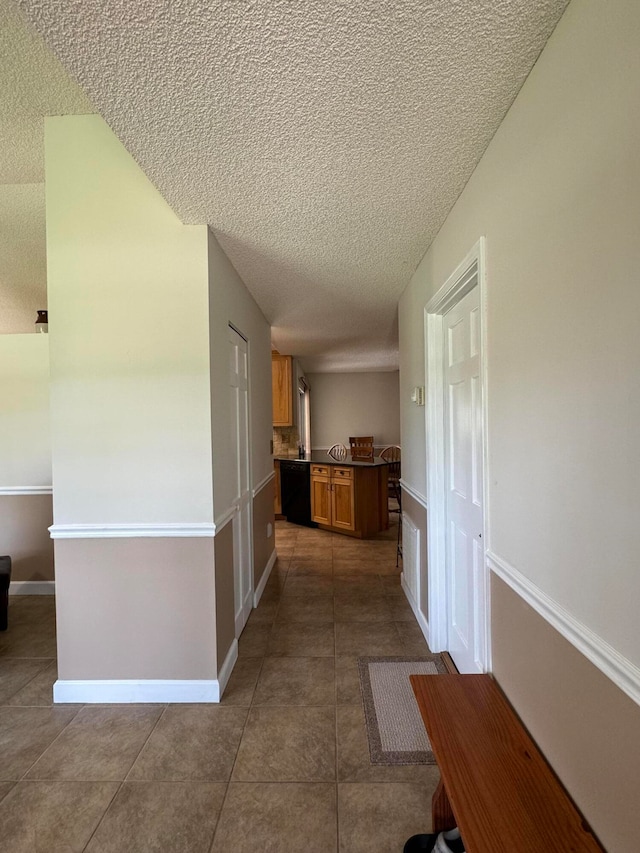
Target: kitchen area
336	491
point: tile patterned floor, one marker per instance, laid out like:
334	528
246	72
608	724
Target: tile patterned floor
281	765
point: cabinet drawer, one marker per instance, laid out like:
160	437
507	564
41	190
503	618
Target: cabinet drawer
342	473
320	470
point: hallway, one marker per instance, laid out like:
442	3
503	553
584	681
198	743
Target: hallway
280	765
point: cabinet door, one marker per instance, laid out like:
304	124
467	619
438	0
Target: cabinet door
320	500
343	504
282	389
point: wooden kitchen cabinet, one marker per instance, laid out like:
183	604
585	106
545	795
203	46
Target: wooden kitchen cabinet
320	494
282	389
348	499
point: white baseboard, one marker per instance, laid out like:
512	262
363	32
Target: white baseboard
227	667
623	673
131	690
420	617
265	577
32	588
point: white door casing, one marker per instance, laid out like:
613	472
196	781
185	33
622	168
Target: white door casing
240	448
458	580
463	478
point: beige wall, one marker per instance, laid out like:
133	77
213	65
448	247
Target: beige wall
24	535
135	609
129	339
25	445
557	197
586	727
344	404
263	544
225	594
25	456
231	302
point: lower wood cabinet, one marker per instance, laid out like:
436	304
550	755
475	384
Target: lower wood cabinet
350	500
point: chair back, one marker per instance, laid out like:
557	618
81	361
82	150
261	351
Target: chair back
338	452
392	454
361	448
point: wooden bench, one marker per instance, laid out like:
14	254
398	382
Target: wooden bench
495	784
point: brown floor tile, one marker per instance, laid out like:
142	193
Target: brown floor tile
365	584
354	763
254	640
26	641
296	681
299	567
25	733
412	638
381	816
368	638
355	608
300	639
16	673
175	817
306	608
56	817
265	613
285	818
287	744
351	566
39	691
347	680
191	743
400	609
308	584
242	684
5	787
307	553
99	745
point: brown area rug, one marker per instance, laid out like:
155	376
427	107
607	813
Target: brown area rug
394	726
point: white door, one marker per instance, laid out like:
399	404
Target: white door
242	550
464	483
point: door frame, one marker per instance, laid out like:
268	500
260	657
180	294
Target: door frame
471	272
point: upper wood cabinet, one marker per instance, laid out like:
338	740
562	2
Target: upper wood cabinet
282	388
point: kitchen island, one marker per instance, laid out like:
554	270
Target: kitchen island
348	496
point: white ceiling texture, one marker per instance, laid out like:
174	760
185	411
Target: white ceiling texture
323	141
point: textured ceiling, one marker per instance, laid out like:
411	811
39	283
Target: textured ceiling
324	141
32	84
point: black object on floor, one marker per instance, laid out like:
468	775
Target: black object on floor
295	486
5	580
420	843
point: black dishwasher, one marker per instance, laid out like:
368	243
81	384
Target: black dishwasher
295	488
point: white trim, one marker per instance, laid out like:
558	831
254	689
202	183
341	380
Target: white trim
122	531
226	669
265	577
420	617
469	274
264	482
32	588
134	690
615	666
413	493
224	519
26	490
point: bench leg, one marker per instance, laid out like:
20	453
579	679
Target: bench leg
442	817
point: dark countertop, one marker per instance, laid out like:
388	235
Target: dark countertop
320	457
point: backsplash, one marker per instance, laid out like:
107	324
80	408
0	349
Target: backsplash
285	441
